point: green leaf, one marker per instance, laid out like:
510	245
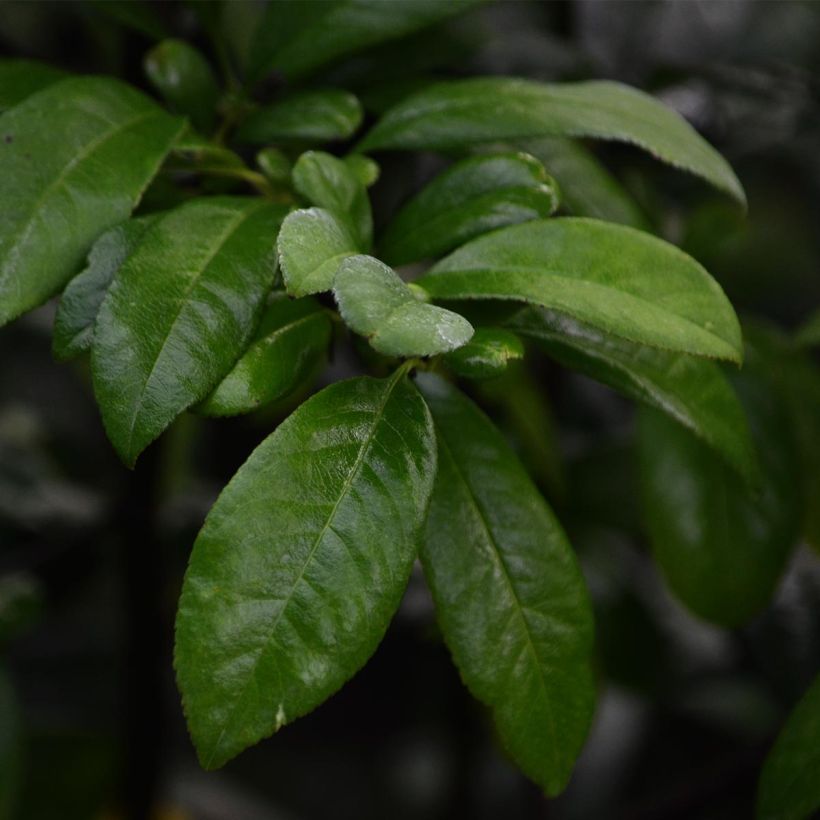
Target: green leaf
366	170
81	300
376	303
487	109
297	38
20	79
487	354
809	334
328	182
472	197
509	595
587	187
185	79
693	392
289	343
789	788
720	545
312	245
275	165
302	562
181	310
314	116
59	195
620	280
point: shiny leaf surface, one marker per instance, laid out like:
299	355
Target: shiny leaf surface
487	354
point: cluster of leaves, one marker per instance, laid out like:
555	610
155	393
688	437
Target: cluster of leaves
218	301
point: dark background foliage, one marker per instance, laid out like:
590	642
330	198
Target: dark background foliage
92	556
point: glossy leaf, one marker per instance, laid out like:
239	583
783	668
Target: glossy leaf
509	595
789	787
328	182
692	391
59	195
487	109
185	79
720	545
297	38
81	300
472	197
376	303
487	354
614	278
313	116
302	562
181	310
20	79
290	341
312	245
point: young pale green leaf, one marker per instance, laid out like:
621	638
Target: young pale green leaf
615	278
302	562
290	342
185	80
59	195
809	334
509	595
487	354
20	79
81	300
692	391
180	311
488	109
376	303
312	244
587	187
328	182
314	116
297	38
721	545
476	195
789	788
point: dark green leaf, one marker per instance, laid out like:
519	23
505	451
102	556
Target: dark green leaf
59	195
487	354
487	109
20	79
302	562
620	280
81	300
472	197
312	245
313	116
275	165
290	341
134	14
692	391
185	79
181	310
809	333
789	787
720	545
328	182
376	303
200	152
509	595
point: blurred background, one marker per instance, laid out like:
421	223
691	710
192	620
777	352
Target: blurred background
92	556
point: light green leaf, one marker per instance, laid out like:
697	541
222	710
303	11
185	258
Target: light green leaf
720	545
318	115
471	197
509	595
376	303
290	341
487	354
615	278
692	391
328	182
366	170
20	79
59	195
809	334
789	788
488	109
81	300
181	310
312	245
302	562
